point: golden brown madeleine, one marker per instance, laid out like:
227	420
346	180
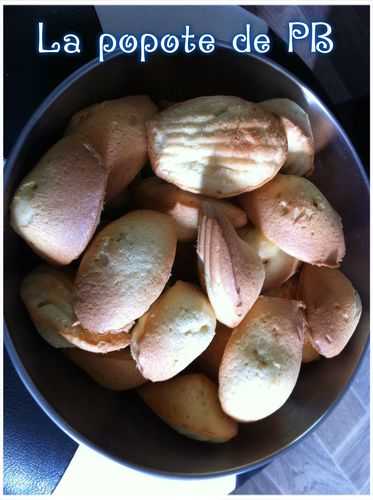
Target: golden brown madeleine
296	216
183	207
219	146
278	265
190	405
57	206
115	370
117	130
333	308
124	270
289	290
97	342
297	125
173	333
47	293
209	361
232	272
262	359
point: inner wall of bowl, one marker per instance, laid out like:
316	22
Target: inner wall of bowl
119	424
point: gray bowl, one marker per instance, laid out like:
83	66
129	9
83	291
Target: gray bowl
117	424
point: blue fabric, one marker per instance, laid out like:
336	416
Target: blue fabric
36	452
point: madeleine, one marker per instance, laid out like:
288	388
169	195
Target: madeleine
278	265
292	213
48	296
190	405
262	359
230	270
57	206
116	129
333	308
289	290
115	370
124	270
183	207
297	125
219	146
173	333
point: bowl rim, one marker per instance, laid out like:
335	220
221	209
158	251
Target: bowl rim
16	360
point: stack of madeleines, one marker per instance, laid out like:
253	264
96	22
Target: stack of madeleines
220	277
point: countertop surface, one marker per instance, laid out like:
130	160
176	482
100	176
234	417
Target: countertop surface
333	460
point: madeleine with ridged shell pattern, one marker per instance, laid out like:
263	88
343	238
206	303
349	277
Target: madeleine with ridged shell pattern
230	270
219	146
